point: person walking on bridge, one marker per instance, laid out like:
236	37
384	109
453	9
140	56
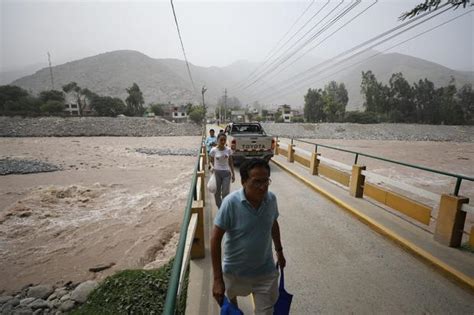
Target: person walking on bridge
210	140
223	167
248	218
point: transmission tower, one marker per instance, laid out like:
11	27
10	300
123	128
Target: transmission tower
51	71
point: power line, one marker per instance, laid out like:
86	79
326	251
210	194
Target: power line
265	70
327	37
283	58
270	55
316	67
389	48
310	76
182	47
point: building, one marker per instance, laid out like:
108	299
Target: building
238	116
286	112
72	108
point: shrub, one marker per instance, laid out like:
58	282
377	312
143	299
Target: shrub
297	119
361	117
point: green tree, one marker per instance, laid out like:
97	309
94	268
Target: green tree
135	101
52	107
426	102
81	95
14	98
52	95
189	108
335	99
465	98
157	109
108	106
450	110
401	100
313	106
430	5
197	114
278	117
375	93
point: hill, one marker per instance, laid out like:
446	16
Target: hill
166	80
383	66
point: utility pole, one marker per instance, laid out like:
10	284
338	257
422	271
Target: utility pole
50	71
225	105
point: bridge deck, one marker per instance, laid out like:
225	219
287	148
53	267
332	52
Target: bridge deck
337	264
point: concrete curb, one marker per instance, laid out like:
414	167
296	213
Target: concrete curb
414	249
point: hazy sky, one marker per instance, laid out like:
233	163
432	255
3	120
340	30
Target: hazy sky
214	33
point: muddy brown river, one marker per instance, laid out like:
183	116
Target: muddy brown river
112	206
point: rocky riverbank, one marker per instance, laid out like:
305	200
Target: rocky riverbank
348	131
148	127
94	126
45	299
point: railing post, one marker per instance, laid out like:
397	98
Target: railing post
276	152
291	152
451	219
356	186
471	237
204	155
314	163
197	249
202	176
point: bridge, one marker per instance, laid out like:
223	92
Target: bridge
351	244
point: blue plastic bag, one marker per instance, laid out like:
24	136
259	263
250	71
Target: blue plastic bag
283	304
228	308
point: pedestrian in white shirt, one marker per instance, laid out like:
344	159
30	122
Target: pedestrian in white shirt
223	167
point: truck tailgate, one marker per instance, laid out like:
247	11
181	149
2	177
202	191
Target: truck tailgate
253	145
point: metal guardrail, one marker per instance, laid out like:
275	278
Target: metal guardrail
173	283
459	177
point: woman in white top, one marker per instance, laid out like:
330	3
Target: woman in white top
223	166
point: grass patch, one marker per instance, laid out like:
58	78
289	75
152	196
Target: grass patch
133	292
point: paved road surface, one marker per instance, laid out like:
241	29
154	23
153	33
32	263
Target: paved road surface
336	264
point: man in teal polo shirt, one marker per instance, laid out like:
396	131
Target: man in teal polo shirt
248	219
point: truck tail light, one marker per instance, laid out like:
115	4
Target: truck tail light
273	143
233	145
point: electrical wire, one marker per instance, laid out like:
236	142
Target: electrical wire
274	49
318	66
283	56
391	47
184	52
327	37
272	54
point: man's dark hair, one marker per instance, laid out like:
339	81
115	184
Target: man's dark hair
248	165
212	130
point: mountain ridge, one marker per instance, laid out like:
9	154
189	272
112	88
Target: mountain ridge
166	80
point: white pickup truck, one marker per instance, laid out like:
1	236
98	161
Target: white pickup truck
248	140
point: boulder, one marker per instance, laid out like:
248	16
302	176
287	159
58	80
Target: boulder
67	306
83	290
41	291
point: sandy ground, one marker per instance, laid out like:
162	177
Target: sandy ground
109	206
115	207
